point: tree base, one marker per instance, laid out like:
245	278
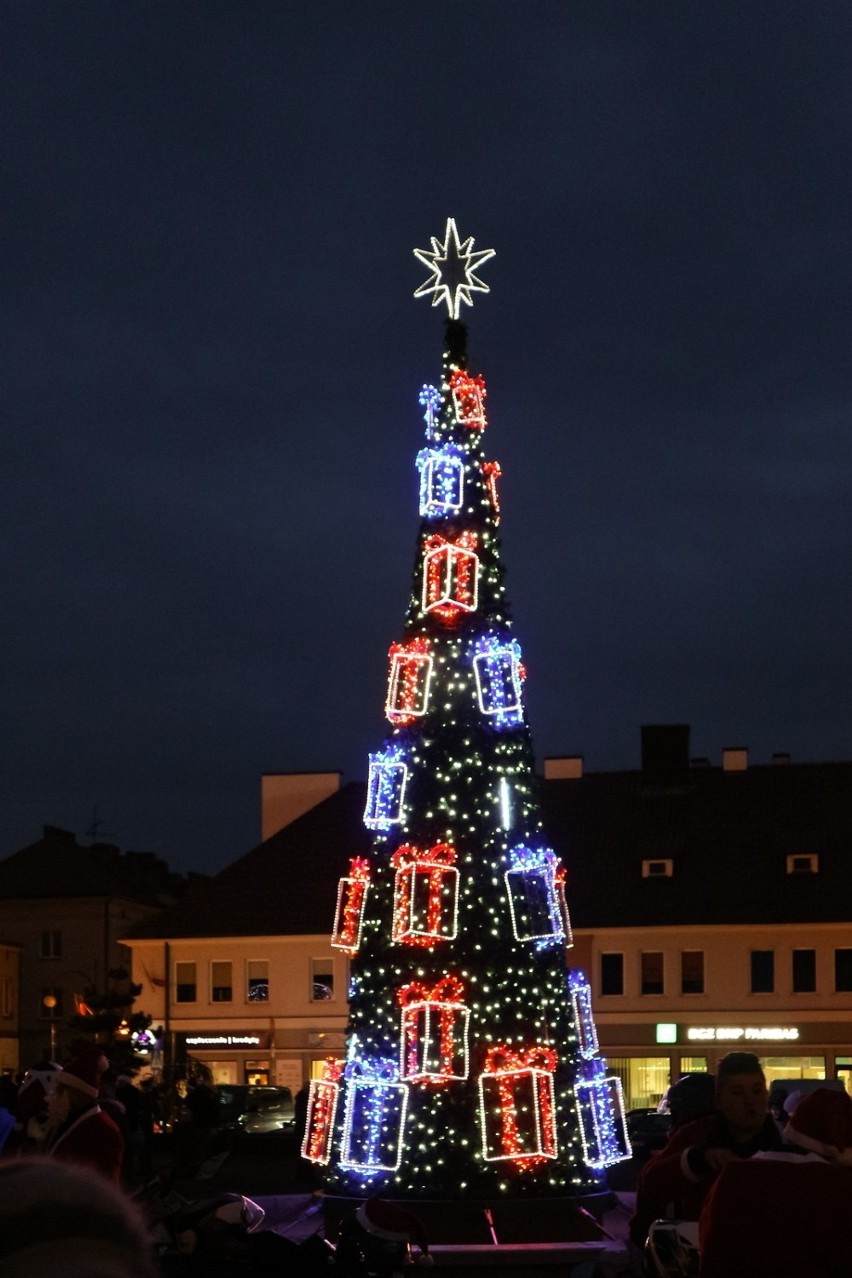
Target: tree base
519	1220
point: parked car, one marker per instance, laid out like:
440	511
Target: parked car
256	1110
648	1130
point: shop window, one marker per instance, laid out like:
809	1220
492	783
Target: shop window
257	981
612	974
322	980
50	1004
51	945
221	983
644	1079
804	971
843	971
763	971
652	972
186	987
692	972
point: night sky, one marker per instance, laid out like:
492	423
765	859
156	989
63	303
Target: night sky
212	358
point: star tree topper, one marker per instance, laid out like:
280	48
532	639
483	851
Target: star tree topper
452	265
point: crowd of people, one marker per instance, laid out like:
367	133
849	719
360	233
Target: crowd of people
767	1179
770	1189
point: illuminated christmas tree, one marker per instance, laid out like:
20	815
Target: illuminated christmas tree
471	1065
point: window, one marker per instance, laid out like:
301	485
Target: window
185	983
257	981
804	971
612	974
7	1006
322	979
803	864
51	945
692	972
221	986
657	869
762	971
652	972
50	1006
843	971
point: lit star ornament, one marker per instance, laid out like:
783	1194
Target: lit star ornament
452	265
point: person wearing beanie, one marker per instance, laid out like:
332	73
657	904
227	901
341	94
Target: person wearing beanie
80	1131
676	1180
783	1213
68	1222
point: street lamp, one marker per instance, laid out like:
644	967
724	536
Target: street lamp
49	1002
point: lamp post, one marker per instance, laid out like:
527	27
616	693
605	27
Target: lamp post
49	1002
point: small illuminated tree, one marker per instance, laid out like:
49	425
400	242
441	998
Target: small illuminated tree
471	1064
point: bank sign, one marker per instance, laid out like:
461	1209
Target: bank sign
668	1033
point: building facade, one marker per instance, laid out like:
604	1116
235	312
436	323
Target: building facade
711	910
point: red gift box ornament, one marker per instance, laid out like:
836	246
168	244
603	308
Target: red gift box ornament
517	1105
450	576
434	1039
323	1095
469	399
351	899
425	896
408	680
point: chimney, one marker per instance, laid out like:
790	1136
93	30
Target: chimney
284	796
665	754
568	768
735	759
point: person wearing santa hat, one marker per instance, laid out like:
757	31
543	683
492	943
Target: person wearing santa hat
785	1214
80	1130
379	1236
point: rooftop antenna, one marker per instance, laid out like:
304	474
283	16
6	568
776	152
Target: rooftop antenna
94	832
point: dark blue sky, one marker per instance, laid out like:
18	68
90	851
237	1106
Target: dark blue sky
213	356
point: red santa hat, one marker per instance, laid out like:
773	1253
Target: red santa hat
387	1220
84	1073
822	1122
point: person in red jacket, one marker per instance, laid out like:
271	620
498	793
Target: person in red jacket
675	1182
785	1215
80	1131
